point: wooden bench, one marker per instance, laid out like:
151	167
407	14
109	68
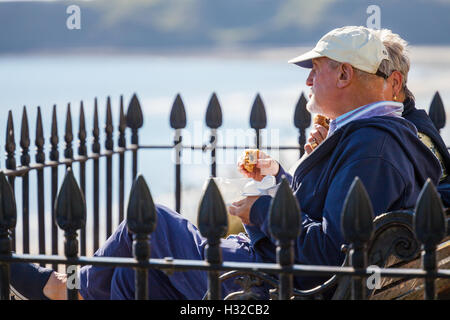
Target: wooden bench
393	245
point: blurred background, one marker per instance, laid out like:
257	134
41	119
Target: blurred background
159	48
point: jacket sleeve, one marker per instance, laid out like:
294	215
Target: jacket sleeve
281	173
320	242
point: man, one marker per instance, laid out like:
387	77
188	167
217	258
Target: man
370	140
399	60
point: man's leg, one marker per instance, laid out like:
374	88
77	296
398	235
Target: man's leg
174	237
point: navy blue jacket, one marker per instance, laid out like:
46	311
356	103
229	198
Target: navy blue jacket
384	152
424	124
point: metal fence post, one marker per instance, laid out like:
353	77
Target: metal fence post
54	156
285	226
10	162
135	119
141	222
70	208
437	112
82	152
8	216
25	162
258	118
96	151
213	225
122	144
213	121
178	122
40	158
109	146
302	120
357	227
430	227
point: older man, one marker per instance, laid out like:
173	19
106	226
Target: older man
367	138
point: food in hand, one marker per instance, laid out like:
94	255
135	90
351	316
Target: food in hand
322	120
251	159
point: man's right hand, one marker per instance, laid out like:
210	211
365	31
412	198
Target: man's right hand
316	137
265	166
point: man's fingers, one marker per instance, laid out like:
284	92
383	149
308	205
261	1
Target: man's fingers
264	163
308	148
322	130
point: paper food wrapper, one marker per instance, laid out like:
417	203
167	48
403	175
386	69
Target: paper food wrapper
235	189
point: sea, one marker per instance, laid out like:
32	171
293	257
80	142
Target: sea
236	76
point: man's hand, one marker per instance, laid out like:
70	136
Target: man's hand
265	166
242	208
316	137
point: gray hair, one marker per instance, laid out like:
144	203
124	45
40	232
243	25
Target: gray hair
398	51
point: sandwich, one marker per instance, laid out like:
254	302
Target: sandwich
324	122
251	159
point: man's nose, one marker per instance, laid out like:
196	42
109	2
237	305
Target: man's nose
309	80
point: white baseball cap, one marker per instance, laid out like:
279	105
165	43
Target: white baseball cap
356	45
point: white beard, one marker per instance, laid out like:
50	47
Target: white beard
313	107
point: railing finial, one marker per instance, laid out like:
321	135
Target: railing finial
178	114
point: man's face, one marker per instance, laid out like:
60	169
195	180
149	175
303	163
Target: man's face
322	81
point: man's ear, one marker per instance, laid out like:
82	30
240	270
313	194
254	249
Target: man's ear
396	81
345	75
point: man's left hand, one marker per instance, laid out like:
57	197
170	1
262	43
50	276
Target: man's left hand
242	208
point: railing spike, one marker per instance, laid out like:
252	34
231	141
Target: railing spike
357	214
212	214
258	119
429	220
25	139
135	118
437	112
39	141
122	125
8	211
82	149
141	211
302	117
96	130
68	137
54	154
10	145
178	114
284	214
70	206
214	113
109	143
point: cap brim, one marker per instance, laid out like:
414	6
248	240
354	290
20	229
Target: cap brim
305	60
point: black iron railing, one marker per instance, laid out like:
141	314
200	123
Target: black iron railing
212	213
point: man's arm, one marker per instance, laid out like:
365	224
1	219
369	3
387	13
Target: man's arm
320	241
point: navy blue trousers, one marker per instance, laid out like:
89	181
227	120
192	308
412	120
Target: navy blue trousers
174	237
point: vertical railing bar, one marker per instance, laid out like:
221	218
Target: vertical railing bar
178	148
25	161
54	156
70	210
109	145
96	150
8	218
40	158
213	225
82	151
121	144
213	142
141	222
10	162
